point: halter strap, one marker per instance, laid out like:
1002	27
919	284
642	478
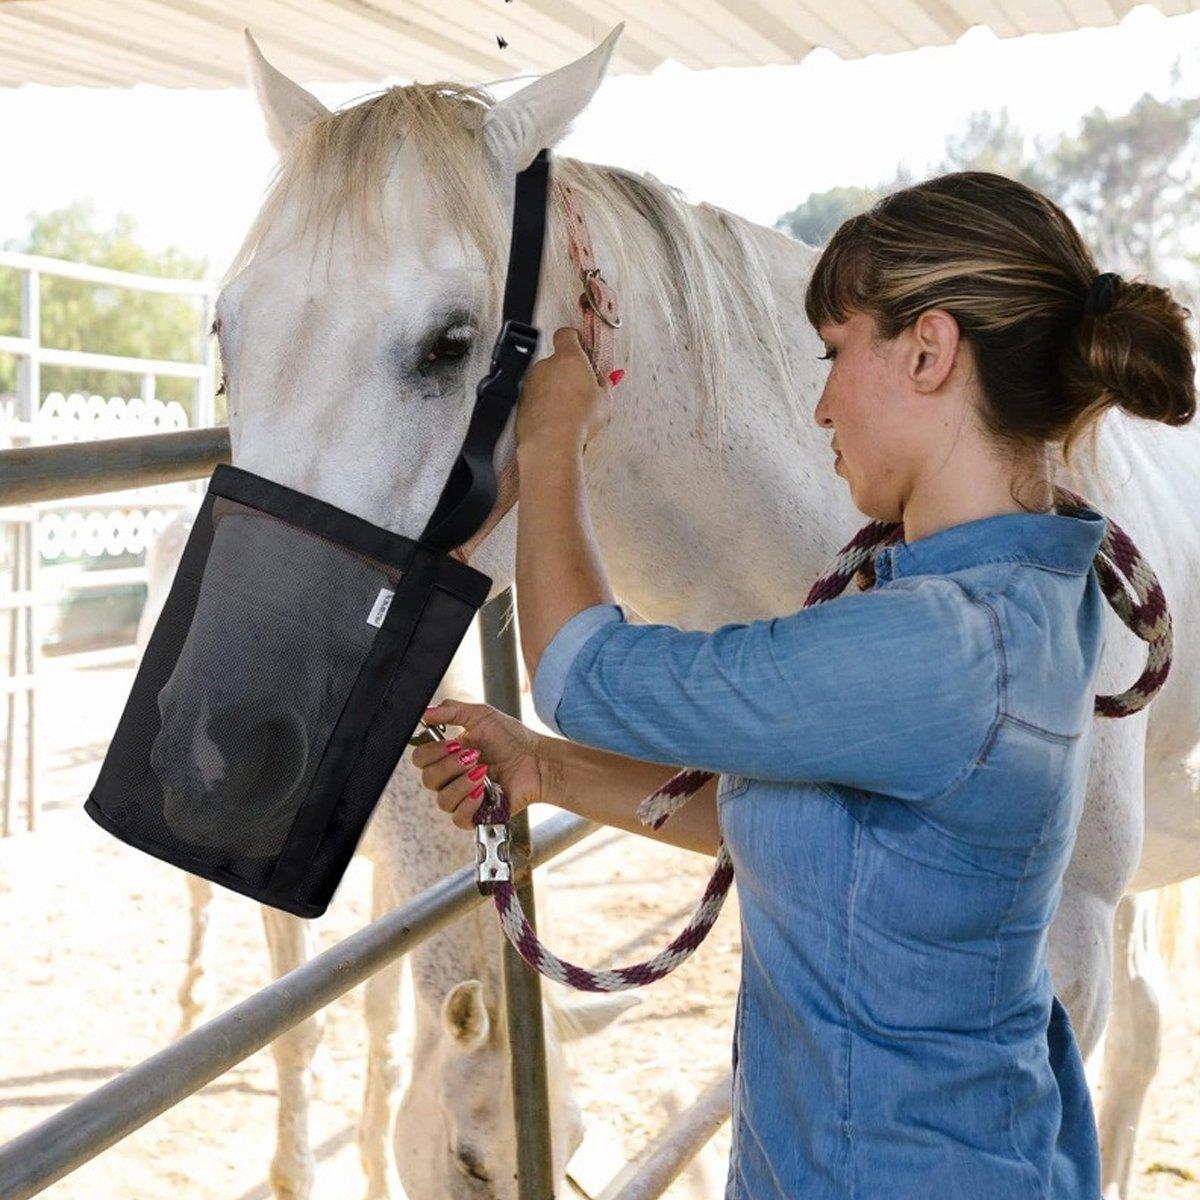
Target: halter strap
470	491
596	338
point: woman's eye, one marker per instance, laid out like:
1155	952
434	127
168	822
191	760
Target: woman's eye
828	354
449	347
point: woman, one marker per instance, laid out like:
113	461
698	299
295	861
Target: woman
901	769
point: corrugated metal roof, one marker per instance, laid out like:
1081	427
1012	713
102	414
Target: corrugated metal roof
198	43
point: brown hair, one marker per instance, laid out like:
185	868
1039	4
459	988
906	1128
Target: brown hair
1010	266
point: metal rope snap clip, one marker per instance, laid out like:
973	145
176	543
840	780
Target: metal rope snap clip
431	733
493	863
493	857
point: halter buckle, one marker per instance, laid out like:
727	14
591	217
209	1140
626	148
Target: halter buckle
589	300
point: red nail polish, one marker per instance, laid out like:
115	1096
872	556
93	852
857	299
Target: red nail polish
468	757
452	746
477	794
478	772
615	377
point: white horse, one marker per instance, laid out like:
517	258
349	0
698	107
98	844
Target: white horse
351	376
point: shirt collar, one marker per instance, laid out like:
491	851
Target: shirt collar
1051	539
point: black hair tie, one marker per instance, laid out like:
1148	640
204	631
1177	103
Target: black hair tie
1101	294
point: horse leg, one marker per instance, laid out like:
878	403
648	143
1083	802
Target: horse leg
292	1168
193	992
1133	1040
381	1003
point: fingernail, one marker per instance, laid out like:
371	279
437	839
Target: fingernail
467	757
615	377
477	794
478	772
452	746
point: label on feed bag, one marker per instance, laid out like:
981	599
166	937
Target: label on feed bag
379	609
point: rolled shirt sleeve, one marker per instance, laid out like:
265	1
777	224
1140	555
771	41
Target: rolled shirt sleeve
560	653
896	689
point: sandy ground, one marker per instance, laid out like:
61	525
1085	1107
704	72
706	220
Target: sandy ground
92	937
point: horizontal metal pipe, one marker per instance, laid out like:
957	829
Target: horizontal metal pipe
682	1140
79	1132
32	473
73	270
120	364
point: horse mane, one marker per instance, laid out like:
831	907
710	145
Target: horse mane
702	260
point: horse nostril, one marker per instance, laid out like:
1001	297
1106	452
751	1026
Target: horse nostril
231	780
265	757
467	1161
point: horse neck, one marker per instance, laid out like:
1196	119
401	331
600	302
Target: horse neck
696	536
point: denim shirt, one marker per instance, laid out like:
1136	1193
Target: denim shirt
901	776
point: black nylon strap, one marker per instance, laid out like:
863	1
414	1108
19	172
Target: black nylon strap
470	491
525	251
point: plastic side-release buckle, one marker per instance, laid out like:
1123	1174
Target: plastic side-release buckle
515	347
492	862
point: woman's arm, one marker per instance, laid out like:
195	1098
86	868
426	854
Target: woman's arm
895	690
607	788
559	570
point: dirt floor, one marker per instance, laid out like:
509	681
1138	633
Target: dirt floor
92	937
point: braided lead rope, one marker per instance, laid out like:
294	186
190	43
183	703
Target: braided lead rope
1149	618
541	958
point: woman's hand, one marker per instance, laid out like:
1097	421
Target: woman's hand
561	399
492	745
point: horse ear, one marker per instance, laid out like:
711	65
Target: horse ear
285	105
517	127
577	1019
465	1016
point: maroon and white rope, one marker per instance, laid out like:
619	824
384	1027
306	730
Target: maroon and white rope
1118	563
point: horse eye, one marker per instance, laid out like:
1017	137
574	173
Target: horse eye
449	346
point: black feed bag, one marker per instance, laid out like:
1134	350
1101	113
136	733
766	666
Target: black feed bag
297	649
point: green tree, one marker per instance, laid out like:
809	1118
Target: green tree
1129	181
815	219
100	318
1131	185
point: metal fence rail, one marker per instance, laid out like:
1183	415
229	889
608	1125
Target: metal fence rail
91	1124
32	473
682	1140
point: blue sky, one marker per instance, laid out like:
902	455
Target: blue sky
192	166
